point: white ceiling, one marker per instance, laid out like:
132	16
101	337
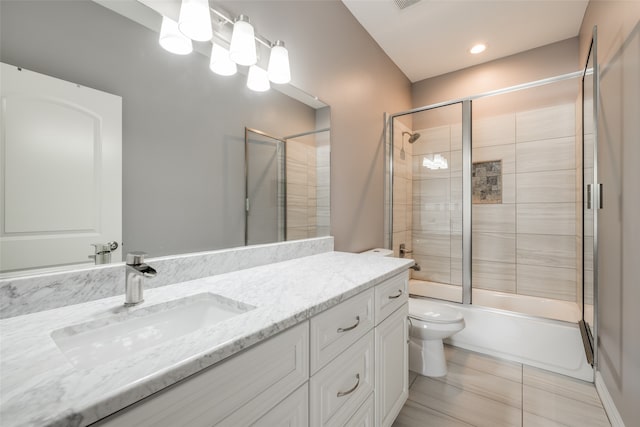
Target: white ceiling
433	37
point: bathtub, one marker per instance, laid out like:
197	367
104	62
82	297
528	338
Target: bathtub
517	328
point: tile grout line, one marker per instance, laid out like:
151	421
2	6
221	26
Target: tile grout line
565	396
475	393
442	413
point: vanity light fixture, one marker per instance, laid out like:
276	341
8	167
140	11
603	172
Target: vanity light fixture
478	48
243	45
278	69
220	62
195	20
195	24
258	79
172	40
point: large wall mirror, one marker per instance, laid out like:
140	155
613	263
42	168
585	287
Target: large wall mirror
82	78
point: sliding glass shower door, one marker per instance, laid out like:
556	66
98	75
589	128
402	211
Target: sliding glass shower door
427	198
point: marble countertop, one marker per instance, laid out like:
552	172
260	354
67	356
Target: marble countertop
39	386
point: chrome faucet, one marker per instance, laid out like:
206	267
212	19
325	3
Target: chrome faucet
136	271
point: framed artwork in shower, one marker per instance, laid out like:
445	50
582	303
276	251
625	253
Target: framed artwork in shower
486	182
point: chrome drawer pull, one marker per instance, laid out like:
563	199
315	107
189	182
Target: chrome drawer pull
344	393
340	330
396	296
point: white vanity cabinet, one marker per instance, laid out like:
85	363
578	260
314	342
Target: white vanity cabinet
237	392
359	358
346	366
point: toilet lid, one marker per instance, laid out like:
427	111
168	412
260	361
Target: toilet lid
432	312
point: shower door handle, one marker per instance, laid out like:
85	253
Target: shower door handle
589	197
600	196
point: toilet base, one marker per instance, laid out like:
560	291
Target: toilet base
426	357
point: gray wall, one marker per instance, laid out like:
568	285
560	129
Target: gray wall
183	126
619	226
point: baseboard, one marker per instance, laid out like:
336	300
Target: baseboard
607	402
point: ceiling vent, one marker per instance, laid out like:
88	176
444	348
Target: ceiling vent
403	4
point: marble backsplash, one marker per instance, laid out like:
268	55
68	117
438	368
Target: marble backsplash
30	294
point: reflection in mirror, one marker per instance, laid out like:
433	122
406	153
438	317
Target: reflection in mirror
183	183
287	186
266	196
589	141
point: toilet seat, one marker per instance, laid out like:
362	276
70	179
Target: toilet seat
427	311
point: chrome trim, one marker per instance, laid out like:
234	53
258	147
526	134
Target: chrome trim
311	132
341	330
466	202
502	91
390	136
596	104
351	390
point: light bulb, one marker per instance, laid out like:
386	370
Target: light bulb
479	48
243	44
172	40
258	80
278	69
195	20
220	62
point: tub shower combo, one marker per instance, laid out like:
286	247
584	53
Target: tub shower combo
494	196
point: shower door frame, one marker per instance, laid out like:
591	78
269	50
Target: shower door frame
467	103
248	130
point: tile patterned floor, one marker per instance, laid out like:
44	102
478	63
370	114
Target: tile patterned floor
484	391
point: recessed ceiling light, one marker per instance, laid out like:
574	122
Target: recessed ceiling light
479	48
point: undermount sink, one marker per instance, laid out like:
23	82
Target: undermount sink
100	341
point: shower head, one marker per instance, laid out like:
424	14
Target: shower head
413	137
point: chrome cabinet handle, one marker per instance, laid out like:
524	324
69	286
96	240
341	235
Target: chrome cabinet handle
396	296
340	330
351	390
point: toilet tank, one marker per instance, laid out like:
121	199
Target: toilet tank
378	252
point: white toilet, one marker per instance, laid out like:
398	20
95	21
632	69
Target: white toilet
430	323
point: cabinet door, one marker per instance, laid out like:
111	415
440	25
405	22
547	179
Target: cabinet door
291	412
234	393
392	366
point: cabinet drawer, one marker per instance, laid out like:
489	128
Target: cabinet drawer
337	328
291	412
261	377
391	294
340	388
364	416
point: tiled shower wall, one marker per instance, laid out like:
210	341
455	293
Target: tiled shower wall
308	175
527	243
402	188
301	189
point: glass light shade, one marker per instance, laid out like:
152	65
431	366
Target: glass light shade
195	20
258	80
243	44
220	62
172	40
278	69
